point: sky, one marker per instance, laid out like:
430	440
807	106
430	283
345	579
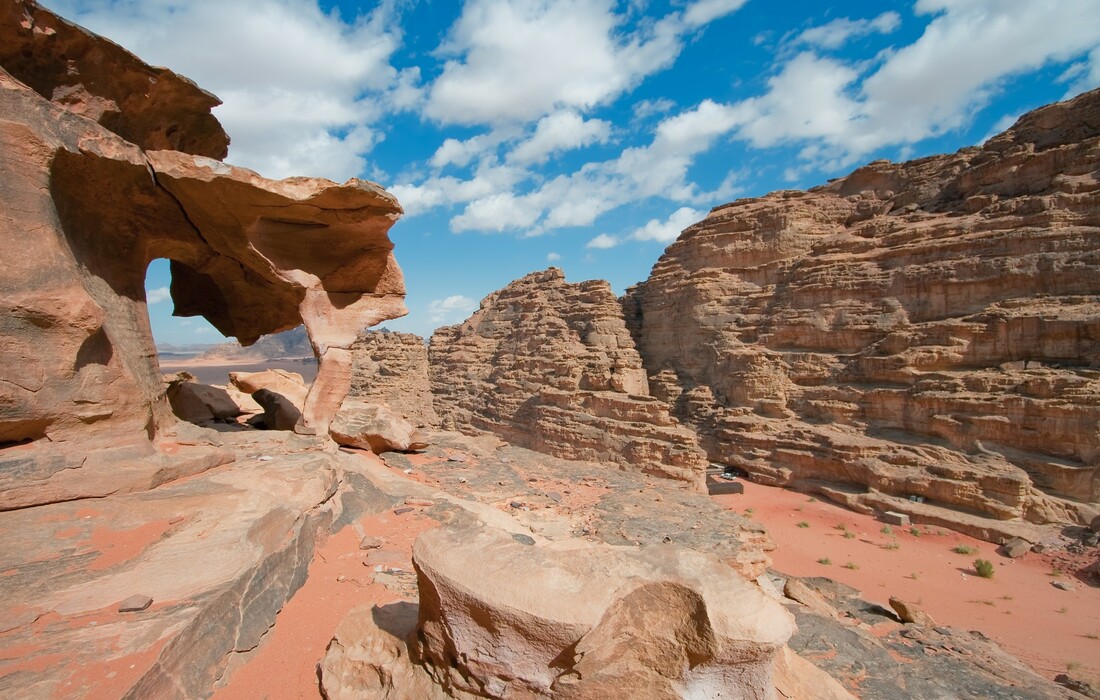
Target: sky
586	134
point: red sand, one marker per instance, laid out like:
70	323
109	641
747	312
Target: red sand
1019	607
285	664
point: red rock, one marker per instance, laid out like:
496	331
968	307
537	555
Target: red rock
135	603
374	427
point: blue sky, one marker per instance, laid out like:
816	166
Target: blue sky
587	133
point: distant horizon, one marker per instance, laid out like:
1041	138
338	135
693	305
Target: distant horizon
588	134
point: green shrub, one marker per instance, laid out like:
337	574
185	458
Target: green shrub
887	530
803	524
825	560
964	549
984	567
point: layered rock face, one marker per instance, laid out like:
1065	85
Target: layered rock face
392	369
91	191
927	329
550	366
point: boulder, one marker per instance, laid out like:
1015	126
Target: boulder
1015	548
798	590
580	620
290	385
279	412
374	427
910	613
200	403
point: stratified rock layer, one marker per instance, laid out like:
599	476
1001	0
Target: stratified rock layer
926	329
550	366
86	204
392	369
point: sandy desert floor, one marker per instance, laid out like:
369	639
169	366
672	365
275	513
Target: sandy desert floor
1019	607
216	370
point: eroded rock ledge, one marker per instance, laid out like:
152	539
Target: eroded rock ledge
89	196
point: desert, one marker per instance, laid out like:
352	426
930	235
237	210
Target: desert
841	441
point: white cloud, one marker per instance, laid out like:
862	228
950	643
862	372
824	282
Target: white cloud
560	131
603	242
648	108
518	60
552	257
668	230
158	295
703	11
838	32
498	212
452	309
300	86
929	87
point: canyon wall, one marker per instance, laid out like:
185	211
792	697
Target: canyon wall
109	164
922	336
550	366
392	369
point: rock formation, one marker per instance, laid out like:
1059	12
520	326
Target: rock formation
374	427
550	366
110	164
392	369
928	329
576	621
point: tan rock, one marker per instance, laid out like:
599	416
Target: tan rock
926	329
288	384
798	590
200	403
374	427
392	369
910	613
550	366
798	679
87	202
575	620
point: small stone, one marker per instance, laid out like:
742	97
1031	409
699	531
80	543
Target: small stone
173	521
1062	585
554	496
402	511
371	542
135	603
523	539
892	518
341	578
419	502
516	504
910	613
408	471
1015	548
462	480
457	457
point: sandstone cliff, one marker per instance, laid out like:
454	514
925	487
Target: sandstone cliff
392	368
927	329
89	196
550	366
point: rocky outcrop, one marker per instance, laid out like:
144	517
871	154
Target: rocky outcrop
392	369
927	329
91	192
374	427
580	621
550	366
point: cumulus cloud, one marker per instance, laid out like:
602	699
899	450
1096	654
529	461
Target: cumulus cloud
158	295
561	131
300	87
552	257
668	230
452	309
603	242
519	60
840	31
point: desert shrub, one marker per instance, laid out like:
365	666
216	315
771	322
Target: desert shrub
964	549
803	524
984	567
887	530
825	560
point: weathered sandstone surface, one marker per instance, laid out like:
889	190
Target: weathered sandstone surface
90	193
550	366
927	329
392	369
586	621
